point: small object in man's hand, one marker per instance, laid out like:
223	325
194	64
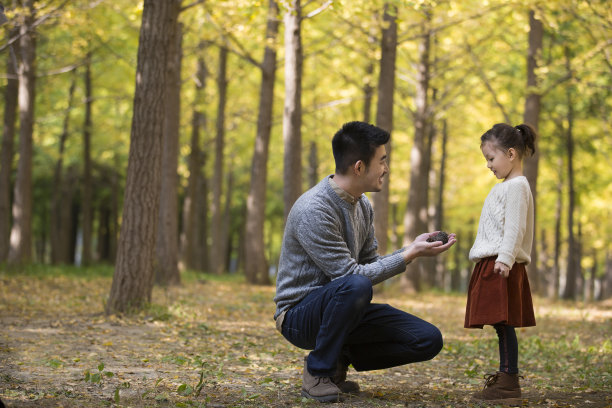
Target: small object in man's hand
440	236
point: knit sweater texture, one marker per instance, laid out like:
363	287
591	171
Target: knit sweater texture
327	238
506	223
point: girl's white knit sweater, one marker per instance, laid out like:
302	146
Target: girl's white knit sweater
506	222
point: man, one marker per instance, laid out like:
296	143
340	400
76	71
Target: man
328	265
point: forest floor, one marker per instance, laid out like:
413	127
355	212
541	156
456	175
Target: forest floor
212	343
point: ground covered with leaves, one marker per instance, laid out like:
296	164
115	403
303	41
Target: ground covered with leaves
212	343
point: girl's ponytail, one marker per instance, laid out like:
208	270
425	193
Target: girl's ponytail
527	135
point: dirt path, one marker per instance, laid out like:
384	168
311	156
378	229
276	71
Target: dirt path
213	344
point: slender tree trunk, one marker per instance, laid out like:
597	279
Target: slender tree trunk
384	118
20	250
166	268
592	278
217	256
226	229
313	164
7	153
59	241
570	291
86	201
606	286
204	232
368	89
190	237
256	269
532	117
133	279
557	250
292	115
438	221
415	220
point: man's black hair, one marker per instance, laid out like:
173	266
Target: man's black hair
356	141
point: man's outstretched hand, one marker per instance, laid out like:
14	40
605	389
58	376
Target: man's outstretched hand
420	246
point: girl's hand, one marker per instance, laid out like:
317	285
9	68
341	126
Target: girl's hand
502	269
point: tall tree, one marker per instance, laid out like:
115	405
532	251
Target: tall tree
570	290
20	250
7	153
384	116
292	114
416	218
60	207
217	255
191	239
86	187
133	278
256	269
166	267
531	116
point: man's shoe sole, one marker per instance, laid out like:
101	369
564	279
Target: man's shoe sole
323	398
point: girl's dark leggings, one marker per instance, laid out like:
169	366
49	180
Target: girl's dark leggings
508	348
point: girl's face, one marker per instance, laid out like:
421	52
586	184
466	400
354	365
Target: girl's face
504	165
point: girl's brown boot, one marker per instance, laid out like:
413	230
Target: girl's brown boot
501	387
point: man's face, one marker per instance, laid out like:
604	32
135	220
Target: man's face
376	170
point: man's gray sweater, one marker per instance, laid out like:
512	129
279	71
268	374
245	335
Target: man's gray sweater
327	238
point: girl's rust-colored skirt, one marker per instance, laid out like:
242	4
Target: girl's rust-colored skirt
493	299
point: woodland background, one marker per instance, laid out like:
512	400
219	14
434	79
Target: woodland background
160	137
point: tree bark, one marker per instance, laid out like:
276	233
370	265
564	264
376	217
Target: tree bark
557	250
133	278
570	291
166	268
217	257
384	118
20	250
416	217
292	114
256	269
191	241
59	239
532	117
7	153
86	199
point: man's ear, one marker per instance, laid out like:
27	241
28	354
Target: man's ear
358	167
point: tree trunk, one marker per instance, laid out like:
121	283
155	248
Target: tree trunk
133	279
384	118
20	250
59	241
415	220
570	291
292	114
226	224
86	200
191	237
256	269
217	257
532	117
166	267
7	153
557	250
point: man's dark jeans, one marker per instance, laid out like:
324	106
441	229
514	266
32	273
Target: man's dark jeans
339	323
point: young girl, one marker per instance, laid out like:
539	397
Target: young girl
499	293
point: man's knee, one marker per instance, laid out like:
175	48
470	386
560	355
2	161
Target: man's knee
433	343
360	288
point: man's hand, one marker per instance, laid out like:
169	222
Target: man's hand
420	246
502	269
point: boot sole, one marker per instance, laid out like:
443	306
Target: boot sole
515	402
322	398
